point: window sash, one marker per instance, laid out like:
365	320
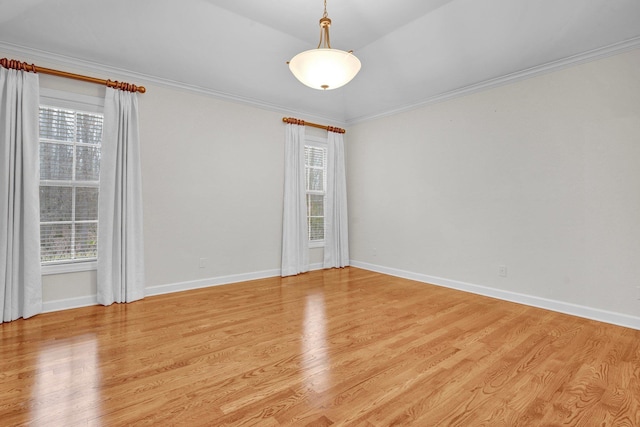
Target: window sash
312	169
74	237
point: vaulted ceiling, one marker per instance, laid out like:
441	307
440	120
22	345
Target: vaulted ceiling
412	51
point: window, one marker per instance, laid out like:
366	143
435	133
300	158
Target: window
70	141
315	164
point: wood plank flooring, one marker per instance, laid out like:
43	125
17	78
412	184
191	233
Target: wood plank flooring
340	347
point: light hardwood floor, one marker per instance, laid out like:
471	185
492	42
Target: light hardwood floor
340	347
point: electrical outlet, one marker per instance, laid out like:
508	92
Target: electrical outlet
502	270
202	263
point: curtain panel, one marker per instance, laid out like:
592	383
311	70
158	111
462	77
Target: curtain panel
295	238
20	272
120	240
336	238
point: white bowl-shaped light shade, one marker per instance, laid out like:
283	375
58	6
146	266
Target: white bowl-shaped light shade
324	68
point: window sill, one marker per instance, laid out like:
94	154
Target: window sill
316	244
69	268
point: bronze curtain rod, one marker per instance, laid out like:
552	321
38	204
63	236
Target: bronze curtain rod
17	65
294	121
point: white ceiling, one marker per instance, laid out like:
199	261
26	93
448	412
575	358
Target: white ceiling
412	51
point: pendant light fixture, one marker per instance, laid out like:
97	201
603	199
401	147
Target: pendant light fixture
325	68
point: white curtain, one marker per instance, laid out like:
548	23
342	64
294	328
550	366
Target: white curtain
295	238
120	244
20	275
336	237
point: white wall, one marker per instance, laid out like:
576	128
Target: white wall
212	186
213	176
541	176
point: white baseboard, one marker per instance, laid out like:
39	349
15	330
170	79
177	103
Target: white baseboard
614	318
216	281
69	303
619	319
205	283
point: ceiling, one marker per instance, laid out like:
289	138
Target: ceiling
412	51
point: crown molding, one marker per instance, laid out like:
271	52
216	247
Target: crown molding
549	67
101	70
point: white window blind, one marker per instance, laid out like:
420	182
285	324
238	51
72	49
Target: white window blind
70	143
315	159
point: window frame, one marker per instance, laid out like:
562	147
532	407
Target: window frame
314	141
77	102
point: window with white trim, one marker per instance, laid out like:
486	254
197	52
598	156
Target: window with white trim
315	164
70	142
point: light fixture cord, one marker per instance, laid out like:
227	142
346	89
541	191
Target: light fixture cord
324	15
